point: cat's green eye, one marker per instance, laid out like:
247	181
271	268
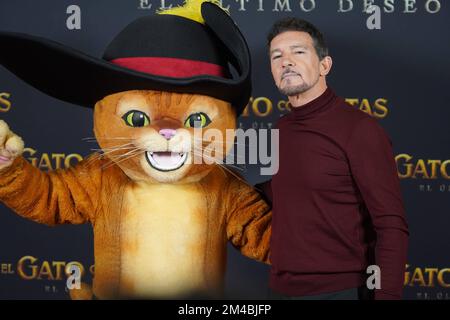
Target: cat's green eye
197	120
135	118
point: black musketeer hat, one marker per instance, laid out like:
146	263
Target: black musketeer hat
159	52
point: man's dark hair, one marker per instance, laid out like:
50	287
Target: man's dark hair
295	24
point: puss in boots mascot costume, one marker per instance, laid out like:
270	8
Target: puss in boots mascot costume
161	221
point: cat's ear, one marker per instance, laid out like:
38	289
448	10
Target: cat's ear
225	29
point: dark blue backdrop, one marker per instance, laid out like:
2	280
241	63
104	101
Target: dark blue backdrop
400	74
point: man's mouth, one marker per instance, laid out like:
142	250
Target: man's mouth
289	74
166	161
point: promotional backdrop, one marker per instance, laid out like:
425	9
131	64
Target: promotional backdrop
398	72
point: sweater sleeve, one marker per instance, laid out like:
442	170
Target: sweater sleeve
57	197
372	163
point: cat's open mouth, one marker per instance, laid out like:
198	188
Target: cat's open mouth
166	161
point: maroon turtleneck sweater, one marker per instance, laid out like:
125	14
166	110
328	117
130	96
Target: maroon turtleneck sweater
337	204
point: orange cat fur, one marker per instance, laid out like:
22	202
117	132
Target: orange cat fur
156	233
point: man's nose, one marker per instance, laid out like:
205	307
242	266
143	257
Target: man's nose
287	62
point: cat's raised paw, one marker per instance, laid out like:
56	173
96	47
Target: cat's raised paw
11	145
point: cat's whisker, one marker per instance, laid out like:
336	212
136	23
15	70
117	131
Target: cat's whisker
129	152
121	147
221	163
108	138
234	174
110	151
218	161
93	159
243	169
221	153
124	158
129	155
105	150
117	146
113	150
202	155
232	166
224	167
218	142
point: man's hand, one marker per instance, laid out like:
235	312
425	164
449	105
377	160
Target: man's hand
11	146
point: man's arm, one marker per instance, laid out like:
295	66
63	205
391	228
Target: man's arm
373	167
248	221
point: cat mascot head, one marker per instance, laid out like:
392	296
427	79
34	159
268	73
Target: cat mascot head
160	79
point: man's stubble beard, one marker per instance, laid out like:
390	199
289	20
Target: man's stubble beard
299	89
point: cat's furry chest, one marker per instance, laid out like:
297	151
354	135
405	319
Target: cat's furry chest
163	239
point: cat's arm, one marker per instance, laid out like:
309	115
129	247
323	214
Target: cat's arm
265	188
249	220
61	196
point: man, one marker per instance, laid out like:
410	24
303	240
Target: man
336	198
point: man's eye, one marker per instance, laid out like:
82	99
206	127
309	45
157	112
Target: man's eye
135	118
299	52
275	57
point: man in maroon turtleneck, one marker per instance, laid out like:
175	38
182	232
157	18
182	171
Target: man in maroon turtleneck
337	204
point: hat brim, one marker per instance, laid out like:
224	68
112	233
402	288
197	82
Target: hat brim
75	77
72	76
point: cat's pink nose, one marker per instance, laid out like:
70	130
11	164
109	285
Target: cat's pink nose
167	133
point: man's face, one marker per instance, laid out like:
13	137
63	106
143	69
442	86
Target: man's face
294	62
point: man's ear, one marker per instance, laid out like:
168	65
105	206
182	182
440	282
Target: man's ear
325	65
